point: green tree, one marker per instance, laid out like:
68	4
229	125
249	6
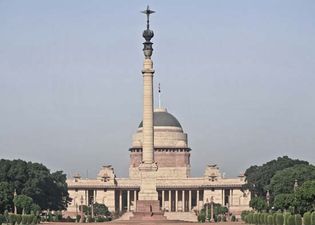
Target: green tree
283	181
305	197
6	196
258	203
258	177
100	209
48	190
23	202
283	201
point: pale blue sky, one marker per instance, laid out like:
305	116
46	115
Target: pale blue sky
238	75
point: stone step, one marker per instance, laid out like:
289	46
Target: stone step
148	216
125	216
182	216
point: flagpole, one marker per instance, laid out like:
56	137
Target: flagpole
159	96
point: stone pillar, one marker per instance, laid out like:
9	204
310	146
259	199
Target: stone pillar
120	200
148	136
94	197
231	193
170	201
223	193
189	200
163	203
183	200
128	200
86	197
176	200
197	199
134	200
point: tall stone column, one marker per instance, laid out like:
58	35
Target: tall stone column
163	201
170	201
120	201
189	200
183	200
148	196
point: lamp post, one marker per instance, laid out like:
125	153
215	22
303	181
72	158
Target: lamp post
14	195
207	206
81	200
211	210
92	207
268	198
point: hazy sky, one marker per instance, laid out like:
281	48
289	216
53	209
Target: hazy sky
238	75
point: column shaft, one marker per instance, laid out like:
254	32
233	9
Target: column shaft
120	200
134	200
198	199
163	203
148	135
169	201
183	200
176	200
128	200
189	200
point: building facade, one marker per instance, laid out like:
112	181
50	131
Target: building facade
177	190
159	170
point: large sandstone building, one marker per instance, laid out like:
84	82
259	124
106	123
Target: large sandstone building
159	172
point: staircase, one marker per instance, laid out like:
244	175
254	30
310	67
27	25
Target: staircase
183	216
125	216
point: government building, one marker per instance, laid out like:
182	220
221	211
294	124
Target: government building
160	178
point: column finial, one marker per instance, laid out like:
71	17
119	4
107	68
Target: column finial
148	35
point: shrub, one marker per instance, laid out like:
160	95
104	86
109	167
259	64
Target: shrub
280	219
256	218
313	218
202	217
78	217
291	220
24	219
18	219
286	217
250	217
35	219
6	215
83	219
219	218
266	218
233	218
307	218
29	219
274	217
2	219
298	219
244	214
12	219
270	220
224	218
262	218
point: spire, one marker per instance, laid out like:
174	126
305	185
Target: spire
159	95
148	35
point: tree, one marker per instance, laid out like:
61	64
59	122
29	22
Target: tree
258	203
305	197
283	181
100	209
283	201
258	177
6	196
48	190
23	202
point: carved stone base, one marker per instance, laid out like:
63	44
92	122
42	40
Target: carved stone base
148	206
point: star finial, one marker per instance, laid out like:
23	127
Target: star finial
148	11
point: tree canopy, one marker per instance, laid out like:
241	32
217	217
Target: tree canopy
47	190
258	177
283	181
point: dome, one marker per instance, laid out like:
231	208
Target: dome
162	118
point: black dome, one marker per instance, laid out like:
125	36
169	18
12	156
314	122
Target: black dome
163	118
